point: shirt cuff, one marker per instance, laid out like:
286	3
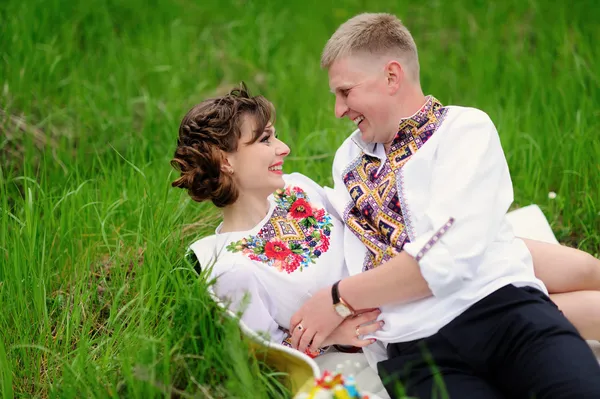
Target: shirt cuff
435	261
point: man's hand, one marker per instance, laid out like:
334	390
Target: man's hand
314	321
352	328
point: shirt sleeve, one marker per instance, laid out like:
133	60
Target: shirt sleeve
471	192
242	293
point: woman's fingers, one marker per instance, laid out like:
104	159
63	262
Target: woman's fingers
361	343
367	329
367	317
363	311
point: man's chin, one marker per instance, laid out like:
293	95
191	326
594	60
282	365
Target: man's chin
366	137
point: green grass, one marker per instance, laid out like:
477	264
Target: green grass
96	298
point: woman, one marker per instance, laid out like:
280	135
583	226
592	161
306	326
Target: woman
281	248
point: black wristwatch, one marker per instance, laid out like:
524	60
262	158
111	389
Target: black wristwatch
340	306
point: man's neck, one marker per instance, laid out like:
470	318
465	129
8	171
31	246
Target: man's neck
409	103
247	211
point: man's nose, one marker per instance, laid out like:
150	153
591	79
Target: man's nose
340	107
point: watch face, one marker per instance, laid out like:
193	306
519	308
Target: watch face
342	310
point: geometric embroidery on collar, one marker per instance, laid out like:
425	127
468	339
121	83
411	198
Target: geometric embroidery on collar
295	235
375	214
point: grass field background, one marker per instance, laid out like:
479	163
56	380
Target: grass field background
96	298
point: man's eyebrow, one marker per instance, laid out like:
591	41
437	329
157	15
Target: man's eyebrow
340	88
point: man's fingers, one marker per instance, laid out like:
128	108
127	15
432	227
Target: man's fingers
317	342
295	320
297	335
305	341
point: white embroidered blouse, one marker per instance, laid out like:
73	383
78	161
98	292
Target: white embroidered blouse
441	194
270	270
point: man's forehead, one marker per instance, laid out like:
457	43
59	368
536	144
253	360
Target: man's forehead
337	85
341	75
349	71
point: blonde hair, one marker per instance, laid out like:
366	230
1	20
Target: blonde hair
374	34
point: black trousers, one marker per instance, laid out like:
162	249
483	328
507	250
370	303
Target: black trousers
514	343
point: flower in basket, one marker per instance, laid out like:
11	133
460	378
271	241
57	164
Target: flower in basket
333	386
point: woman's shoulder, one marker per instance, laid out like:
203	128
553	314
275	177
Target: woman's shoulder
212	252
299	179
301	183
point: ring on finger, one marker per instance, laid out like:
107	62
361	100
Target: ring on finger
299	327
357	331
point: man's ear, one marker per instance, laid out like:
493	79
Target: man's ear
395	74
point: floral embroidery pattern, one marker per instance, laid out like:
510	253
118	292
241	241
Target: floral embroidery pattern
294	237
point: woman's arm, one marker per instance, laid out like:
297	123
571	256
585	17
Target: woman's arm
563	269
243	293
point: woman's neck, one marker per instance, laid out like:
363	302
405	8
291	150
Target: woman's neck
245	213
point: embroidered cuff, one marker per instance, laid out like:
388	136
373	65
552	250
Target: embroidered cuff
434	239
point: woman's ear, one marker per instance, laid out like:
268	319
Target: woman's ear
226	164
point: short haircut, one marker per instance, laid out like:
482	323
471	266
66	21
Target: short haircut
373	34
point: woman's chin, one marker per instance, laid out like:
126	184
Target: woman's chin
278	185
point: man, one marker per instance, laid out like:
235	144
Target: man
423	190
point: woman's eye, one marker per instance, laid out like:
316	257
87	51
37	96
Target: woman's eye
265	139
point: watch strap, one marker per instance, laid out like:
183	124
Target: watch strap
335	292
335	296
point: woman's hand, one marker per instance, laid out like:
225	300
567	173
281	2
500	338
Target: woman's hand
314	321
352	328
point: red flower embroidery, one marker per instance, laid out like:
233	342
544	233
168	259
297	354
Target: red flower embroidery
301	209
324	244
254	257
292	255
292	263
277	250
319	213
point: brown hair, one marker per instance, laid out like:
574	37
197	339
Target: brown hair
208	131
378	34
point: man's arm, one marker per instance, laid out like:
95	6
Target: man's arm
399	280
471	193
470	185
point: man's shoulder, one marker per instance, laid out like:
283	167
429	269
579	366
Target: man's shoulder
458	113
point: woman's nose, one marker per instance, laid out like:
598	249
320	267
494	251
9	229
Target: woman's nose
283	149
